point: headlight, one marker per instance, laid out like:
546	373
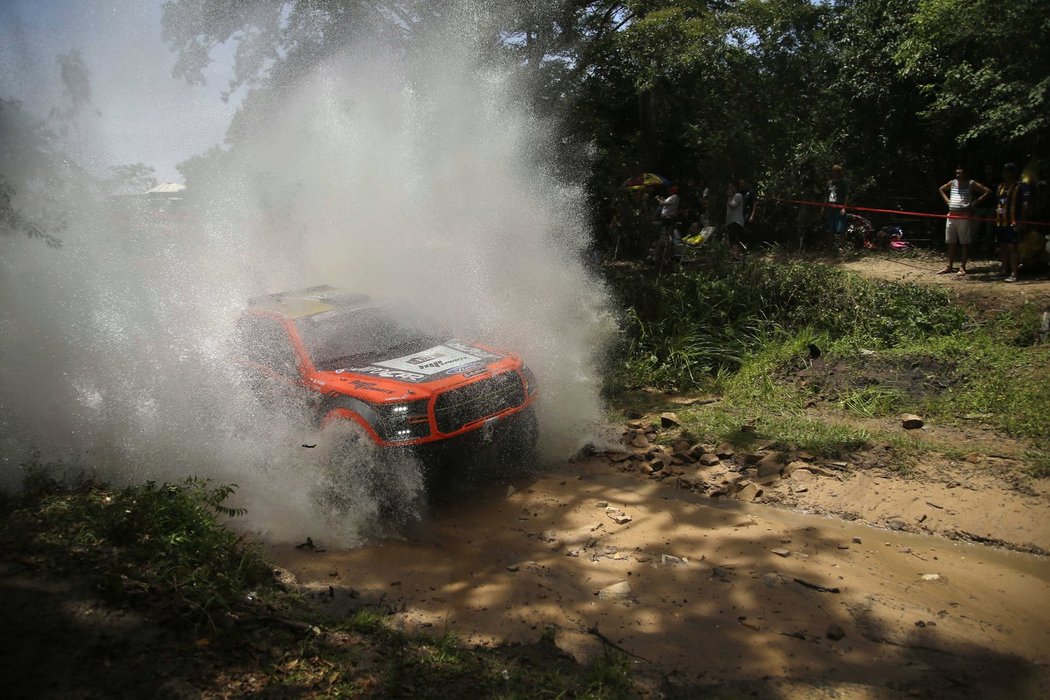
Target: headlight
530	380
399	422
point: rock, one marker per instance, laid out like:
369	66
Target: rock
806	457
768	469
670	420
617	457
780	552
617	591
510	491
681	447
634	415
835	632
725	450
618	516
601	504
748	492
856	540
790	467
910	421
659	463
284	577
639	441
635	425
749	459
799	489
931	577
708	459
669	560
514	567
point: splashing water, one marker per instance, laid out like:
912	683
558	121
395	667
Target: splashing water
415	174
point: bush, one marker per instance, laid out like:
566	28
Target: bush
686	325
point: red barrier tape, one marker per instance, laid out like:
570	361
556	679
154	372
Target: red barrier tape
925	214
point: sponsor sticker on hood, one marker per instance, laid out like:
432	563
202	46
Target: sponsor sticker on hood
440	358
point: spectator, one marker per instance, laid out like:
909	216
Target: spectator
958	194
747	191
669	207
1011	210
838	201
735	220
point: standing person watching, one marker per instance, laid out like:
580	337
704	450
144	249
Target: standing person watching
958	194
1011	210
735	220
838	201
669	207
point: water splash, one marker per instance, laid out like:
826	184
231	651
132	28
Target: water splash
415	174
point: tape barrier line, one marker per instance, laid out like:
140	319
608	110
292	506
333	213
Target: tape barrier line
898	212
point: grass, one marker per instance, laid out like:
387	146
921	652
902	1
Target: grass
747	333
165	549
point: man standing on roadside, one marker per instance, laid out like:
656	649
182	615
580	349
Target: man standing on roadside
959	194
1011	210
837	201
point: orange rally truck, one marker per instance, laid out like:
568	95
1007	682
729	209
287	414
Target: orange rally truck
385	369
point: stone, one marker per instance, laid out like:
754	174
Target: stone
780	552
681	446
768	469
835	632
639	441
749	459
856	540
790	467
748	492
799	489
708	459
618	516
725	450
910	421
659	463
510	491
931	577
284	577
670	420
805	456
635	425
617	457
601	504
669	560
617	591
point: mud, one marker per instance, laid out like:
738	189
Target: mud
718	593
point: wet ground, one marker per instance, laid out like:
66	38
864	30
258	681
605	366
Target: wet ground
702	592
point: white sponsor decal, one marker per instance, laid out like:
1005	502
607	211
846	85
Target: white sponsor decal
386	373
439	358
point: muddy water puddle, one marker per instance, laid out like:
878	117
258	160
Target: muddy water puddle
708	592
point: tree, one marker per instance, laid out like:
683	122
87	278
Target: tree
984	66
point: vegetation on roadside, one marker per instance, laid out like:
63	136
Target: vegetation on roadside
165	550
773	339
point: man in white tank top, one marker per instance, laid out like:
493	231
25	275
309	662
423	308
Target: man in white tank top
961	195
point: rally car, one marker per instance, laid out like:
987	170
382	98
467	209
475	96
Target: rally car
384	368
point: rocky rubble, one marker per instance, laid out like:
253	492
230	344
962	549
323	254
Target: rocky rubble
662	450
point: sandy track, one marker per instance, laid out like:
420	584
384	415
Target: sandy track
502	568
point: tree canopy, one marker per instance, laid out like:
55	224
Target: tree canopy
775	90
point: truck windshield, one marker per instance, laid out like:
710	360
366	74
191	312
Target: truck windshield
344	338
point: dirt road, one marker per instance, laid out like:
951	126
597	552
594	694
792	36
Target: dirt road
980	288
707	593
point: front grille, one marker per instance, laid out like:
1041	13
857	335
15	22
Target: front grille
459	407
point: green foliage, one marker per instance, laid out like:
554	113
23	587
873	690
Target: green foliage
686	325
983	64
165	537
